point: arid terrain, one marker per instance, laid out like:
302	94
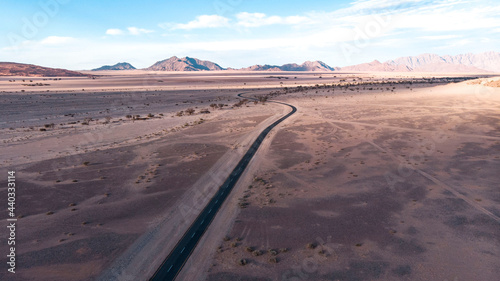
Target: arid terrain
378	176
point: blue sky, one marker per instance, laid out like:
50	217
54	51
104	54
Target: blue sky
238	33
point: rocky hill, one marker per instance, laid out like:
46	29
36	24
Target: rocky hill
184	64
20	69
118	66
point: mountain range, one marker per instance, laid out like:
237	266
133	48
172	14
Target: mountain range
465	63
483	62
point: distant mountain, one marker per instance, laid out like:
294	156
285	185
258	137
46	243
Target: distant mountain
306	66
258	67
118	66
483	62
184	64
21	69
489	61
376	66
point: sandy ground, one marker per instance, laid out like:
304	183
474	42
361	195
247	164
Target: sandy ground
108	200
396	185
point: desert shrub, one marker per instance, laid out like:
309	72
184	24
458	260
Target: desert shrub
273	252
256	253
310	245
190	111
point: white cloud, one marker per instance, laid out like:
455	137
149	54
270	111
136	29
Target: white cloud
448	20
203	21
259	19
56	40
370	5
456	44
138	31
114	31
131	30
439	37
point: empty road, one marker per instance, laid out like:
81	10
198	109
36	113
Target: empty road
177	258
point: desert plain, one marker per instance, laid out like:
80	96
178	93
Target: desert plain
378	176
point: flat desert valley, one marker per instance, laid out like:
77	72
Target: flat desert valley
377	176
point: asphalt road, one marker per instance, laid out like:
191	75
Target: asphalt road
173	264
